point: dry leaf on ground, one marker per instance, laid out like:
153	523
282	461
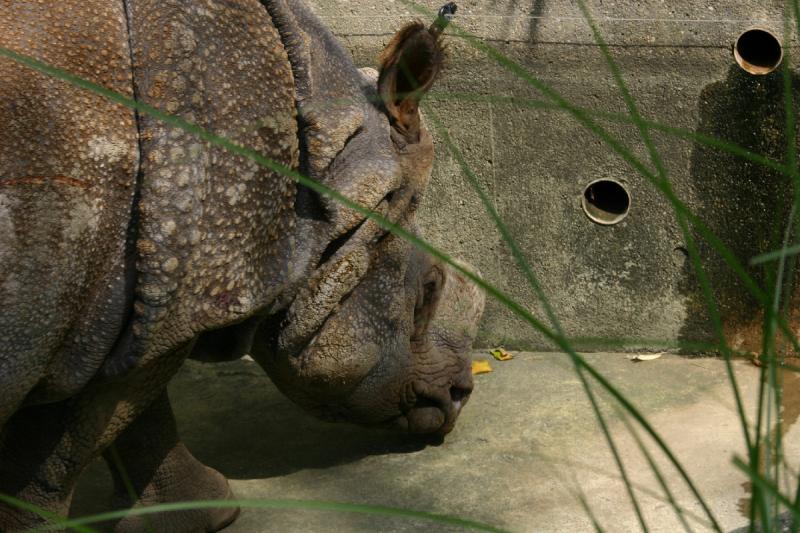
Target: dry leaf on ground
481	366
500	354
645	357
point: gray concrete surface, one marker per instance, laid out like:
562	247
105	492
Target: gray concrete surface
631	282
525	446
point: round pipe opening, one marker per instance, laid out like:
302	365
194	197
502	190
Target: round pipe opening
606	202
758	51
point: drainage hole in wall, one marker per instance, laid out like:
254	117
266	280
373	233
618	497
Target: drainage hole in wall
758	51
606	202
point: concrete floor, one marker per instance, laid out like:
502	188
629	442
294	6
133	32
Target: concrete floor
525	446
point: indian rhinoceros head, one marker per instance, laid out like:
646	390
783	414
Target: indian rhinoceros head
357	340
395	351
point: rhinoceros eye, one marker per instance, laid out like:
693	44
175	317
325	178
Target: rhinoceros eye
429	292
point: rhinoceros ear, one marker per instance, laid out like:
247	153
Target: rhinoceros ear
409	66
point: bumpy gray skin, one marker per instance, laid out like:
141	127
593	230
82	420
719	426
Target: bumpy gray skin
395	351
127	246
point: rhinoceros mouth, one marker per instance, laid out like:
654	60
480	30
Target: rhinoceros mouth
433	410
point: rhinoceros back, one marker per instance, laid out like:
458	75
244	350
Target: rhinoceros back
214	238
68	163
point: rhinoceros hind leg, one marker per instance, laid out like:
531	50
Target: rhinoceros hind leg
150	458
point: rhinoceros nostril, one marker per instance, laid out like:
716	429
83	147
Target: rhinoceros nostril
425	401
459	394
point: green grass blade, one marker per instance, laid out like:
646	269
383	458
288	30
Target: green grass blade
588	510
770	384
641	488
601	420
796	521
57	522
126	481
758	480
776	255
309	505
473	181
681	133
758	498
656	471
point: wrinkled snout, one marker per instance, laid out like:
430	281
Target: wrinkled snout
434	411
437	400
394	352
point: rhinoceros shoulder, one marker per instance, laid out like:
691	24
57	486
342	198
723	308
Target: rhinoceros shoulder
214	235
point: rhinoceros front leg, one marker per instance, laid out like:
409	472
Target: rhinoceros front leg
44	448
150	458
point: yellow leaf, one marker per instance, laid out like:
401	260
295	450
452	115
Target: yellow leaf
501	355
481	366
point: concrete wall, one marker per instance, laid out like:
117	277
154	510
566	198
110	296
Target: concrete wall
632	280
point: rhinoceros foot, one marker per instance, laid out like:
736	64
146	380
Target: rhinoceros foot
180	477
149	460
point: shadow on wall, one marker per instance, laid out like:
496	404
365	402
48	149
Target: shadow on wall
537	10
535	14
745	204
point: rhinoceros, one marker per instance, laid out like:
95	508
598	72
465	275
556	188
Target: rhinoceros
127	245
